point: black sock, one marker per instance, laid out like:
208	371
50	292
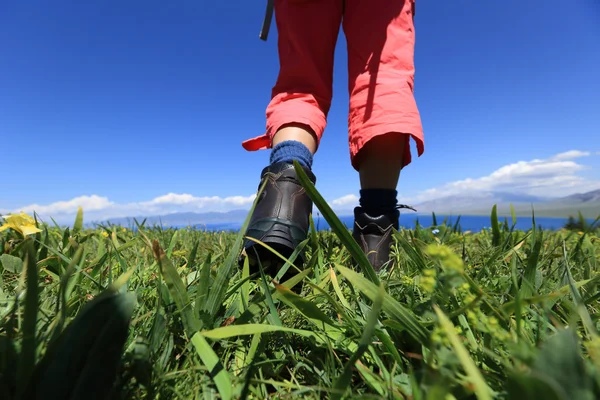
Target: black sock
378	201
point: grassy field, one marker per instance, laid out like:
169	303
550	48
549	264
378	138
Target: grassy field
168	314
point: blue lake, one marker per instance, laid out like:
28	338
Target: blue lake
467	223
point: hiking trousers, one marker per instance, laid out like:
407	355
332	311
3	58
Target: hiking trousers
380	37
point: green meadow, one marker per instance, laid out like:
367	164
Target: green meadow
153	313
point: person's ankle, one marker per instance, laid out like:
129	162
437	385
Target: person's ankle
378	201
291	150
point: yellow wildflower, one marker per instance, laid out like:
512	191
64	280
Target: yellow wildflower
429	272
469	298
22	223
105	234
450	261
407	281
472	316
428	284
593	348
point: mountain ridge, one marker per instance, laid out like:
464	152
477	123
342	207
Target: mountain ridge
588	203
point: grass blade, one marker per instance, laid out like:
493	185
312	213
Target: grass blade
305	307
230	331
495	227
215	368
482	390
343	381
272	309
78	225
337	226
513	215
337	289
528	284
391	306
203	290
29	345
223	276
177	290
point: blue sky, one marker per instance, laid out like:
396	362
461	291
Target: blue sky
129	107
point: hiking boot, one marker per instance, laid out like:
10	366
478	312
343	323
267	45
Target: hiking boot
280	219
373	233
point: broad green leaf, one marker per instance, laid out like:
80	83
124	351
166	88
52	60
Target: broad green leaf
559	372
527	387
561	360
11	263
84	361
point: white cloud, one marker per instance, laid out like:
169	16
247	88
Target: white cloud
88	203
97	208
198	202
555	176
347	200
571	154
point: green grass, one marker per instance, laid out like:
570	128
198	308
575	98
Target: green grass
167	314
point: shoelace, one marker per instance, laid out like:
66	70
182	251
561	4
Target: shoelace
399	206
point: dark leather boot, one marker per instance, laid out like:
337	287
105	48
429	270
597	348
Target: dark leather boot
280	219
374	235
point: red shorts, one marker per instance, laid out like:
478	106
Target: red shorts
380	36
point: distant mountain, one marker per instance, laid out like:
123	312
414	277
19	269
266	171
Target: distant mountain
587	203
466	203
186	218
480	204
580	198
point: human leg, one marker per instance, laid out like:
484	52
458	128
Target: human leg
296	119
383	114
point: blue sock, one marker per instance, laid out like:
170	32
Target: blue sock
292	150
378	201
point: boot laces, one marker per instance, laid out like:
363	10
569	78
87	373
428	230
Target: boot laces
399	206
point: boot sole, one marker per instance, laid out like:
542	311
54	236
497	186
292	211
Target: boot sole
281	235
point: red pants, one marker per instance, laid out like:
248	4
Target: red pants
380	38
